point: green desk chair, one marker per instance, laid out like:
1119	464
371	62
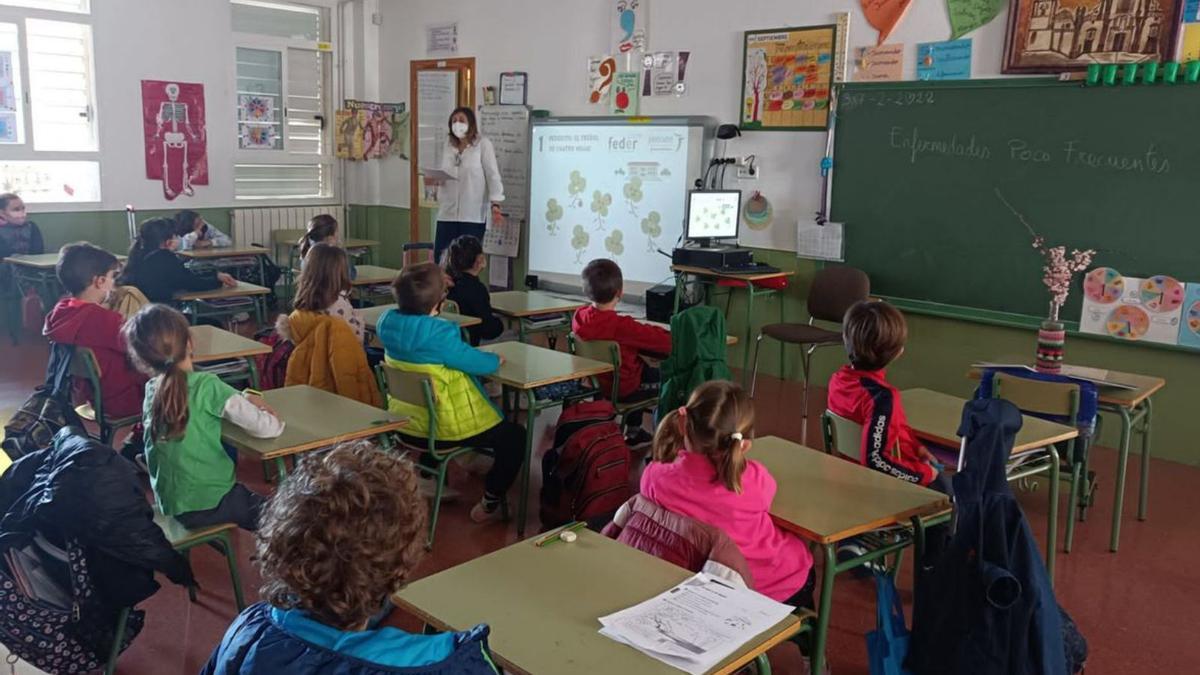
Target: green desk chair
85	366
608	351
417	389
835	427
184	540
1049	399
284	249
417	252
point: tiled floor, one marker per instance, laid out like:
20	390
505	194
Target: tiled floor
1138	609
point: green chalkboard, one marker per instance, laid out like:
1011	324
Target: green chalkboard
922	171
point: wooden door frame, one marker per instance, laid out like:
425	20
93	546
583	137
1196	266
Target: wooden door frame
465	67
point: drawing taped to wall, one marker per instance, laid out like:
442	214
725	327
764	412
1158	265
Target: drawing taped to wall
175	137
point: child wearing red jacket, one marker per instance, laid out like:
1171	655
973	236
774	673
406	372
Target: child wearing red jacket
603	285
874	333
88	273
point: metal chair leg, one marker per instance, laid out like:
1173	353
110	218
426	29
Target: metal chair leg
805	363
111	666
754	373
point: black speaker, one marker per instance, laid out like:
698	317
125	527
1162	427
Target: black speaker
660	301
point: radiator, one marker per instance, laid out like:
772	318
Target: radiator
254	226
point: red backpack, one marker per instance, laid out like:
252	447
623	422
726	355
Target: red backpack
585	475
272	368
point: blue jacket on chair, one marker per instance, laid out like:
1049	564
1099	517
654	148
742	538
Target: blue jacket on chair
986	607
265	640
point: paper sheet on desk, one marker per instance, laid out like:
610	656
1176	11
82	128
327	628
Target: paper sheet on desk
695	625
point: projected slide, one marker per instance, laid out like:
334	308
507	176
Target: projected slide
607	192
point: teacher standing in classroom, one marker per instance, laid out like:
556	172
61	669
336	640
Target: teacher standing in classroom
474	185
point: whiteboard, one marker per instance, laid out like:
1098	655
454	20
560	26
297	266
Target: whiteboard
507	126
611	187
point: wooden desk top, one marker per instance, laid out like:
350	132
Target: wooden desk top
532	303
527	366
359	243
210	343
705	272
238	291
825	499
313	418
543	606
41	261
224	252
1145	387
369	275
935	416
371	316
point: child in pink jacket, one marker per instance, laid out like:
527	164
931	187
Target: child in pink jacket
701	471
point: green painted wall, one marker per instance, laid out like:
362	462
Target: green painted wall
938	354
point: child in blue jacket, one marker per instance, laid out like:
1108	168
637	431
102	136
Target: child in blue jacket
416	340
338	538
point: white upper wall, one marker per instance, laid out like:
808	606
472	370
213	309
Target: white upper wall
552	40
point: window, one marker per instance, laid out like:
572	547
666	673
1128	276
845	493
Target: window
48	136
283	67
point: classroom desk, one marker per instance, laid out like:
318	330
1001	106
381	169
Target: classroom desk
522	306
360	247
314	418
543	606
525	368
710	278
243	289
371	275
206	256
371	316
210	343
1134	408
825	500
935	417
40	273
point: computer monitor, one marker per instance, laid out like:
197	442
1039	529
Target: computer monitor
713	214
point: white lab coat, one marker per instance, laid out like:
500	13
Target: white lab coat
469	197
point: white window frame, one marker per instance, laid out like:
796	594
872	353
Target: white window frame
24	151
327	159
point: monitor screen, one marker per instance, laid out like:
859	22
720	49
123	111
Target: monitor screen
713	214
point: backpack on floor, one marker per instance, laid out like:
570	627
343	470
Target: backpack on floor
272	368
46	411
585	475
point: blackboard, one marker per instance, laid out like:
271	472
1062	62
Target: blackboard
923	171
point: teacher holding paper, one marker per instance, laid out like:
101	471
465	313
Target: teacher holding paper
471	185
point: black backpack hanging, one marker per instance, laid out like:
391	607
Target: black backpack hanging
46	411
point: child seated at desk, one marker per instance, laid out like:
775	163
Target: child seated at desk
341	535
191	473
463	261
701	470
324	287
322	229
416	340
89	274
158	273
195	233
603	285
874	333
18	236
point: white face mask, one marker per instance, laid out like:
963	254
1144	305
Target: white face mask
459	129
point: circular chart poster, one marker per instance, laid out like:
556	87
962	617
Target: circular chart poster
1103	285
1128	322
1161	293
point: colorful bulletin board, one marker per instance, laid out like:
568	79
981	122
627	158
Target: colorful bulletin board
786	78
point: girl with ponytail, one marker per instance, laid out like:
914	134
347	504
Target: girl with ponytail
190	471
700	470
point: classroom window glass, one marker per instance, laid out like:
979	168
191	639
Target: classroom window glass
284	66
12	114
77	6
60	85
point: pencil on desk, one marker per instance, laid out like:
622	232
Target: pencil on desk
553	536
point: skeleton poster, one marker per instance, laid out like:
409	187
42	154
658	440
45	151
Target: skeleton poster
175	136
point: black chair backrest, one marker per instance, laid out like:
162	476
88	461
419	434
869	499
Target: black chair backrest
834	290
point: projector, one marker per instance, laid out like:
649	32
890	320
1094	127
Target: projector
708	258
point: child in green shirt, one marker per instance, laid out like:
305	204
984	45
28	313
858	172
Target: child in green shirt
192	475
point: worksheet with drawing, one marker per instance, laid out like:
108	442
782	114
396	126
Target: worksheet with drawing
609	191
